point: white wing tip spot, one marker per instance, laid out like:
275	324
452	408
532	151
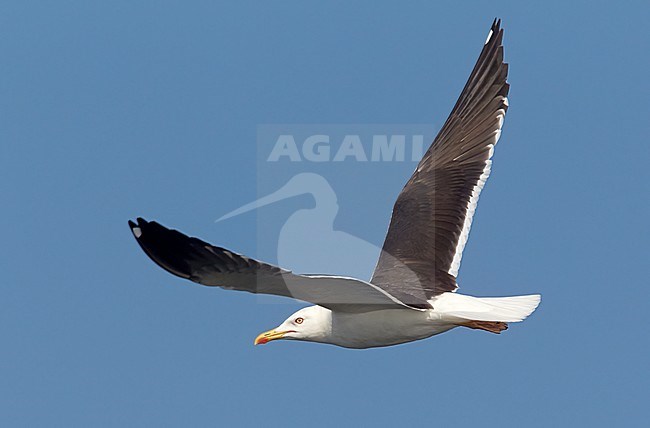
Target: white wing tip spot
488	37
137	232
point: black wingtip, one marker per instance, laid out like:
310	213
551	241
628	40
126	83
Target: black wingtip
168	248
496	32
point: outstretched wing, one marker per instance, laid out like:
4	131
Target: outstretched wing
198	261
433	213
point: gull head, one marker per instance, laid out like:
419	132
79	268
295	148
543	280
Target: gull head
312	324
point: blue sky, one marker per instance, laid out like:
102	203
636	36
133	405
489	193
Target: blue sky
119	109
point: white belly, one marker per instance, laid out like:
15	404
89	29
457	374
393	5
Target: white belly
390	327
385	328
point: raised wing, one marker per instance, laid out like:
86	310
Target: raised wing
433	214
198	261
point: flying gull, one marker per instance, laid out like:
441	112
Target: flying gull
412	292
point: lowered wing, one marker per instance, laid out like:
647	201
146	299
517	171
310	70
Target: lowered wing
198	261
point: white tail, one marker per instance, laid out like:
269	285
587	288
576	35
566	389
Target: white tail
505	309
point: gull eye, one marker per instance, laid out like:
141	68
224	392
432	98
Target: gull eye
299	320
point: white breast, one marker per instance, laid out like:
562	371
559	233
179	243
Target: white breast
384	328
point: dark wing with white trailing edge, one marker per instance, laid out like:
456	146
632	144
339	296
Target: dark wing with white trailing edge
198	261
433	213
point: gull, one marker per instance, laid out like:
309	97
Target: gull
412	293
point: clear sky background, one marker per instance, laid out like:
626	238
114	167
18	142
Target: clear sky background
122	109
